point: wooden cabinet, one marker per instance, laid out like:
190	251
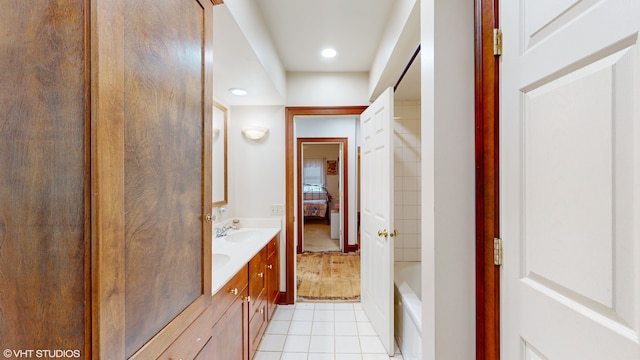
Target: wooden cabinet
257	305
273	276
189	344
230	338
241	308
106	157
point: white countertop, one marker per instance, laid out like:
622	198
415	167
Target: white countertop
232	252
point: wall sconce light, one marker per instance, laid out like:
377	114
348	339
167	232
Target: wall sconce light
255	132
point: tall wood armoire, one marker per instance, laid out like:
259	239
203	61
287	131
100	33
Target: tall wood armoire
105	175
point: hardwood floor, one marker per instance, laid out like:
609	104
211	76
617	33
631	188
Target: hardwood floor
328	276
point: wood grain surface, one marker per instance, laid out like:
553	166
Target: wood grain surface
328	276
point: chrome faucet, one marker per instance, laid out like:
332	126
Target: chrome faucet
220	232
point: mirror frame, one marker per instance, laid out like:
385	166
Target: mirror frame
223	133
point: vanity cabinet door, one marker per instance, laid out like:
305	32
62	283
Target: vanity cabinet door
273	276
257	293
230	339
257	283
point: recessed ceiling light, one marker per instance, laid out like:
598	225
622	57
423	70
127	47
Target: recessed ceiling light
238	91
329	53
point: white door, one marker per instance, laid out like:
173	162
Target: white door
570	179
376	255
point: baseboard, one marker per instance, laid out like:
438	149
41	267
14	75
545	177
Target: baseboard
282	298
351	248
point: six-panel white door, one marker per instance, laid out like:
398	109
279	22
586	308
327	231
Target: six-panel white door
376	206
570	179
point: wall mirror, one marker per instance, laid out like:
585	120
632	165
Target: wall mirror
219	157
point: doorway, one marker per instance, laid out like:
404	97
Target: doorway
326	267
322	196
291	184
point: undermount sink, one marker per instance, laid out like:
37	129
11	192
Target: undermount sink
219	260
242	235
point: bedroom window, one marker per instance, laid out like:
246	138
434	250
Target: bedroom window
314	171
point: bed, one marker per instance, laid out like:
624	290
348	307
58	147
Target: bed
315	202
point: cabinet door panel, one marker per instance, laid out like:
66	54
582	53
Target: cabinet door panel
230	334
273	277
164	113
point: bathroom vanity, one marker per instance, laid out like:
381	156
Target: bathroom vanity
246	283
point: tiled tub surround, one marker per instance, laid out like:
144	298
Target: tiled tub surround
230	255
407	192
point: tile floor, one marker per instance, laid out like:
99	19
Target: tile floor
321	331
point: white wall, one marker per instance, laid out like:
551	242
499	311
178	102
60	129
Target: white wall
327	89
331	127
448	197
256	171
407	199
256	168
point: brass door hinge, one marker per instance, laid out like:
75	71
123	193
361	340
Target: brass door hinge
497	42
497	251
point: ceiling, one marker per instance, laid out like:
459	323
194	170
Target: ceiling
299	30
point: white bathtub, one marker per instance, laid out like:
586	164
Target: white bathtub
408	309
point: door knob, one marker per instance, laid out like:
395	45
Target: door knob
383	233
394	233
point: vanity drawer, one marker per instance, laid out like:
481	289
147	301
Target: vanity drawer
257	263
228	293
192	340
256	293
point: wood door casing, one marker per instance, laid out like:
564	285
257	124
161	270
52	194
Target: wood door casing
344	207
44	189
290	114
487	191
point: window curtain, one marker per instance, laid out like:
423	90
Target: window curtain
314	172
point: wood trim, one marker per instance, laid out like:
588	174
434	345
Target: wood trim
88	309
487	185
351	248
345	176
107	184
290	114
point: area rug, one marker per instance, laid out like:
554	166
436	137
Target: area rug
329	276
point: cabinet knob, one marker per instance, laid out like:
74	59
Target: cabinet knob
233	291
247	298
270	267
261	311
260	274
